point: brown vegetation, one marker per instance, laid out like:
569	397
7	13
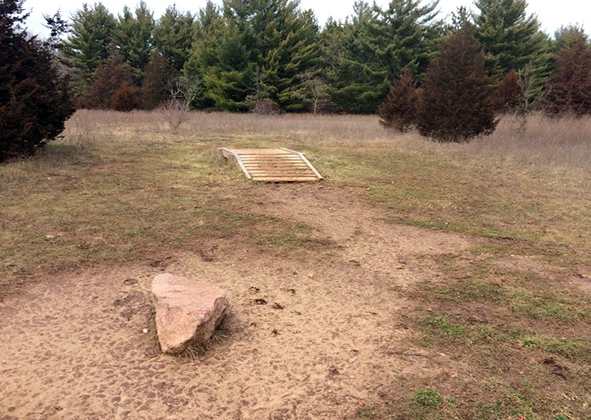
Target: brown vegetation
399	109
569	89
455	102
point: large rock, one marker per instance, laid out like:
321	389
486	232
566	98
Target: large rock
187	311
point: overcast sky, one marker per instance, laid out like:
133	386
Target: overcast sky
551	13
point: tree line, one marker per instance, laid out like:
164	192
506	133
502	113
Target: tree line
449	79
271	55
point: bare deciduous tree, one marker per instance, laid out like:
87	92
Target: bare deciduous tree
182	93
316	93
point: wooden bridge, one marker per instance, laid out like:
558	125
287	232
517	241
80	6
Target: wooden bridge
272	165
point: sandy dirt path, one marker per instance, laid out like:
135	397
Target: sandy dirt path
74	346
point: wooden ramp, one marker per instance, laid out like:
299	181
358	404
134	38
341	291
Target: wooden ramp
272	165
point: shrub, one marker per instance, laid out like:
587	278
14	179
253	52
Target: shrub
398	111
108	79
124	99
35	100
508	97
265	106
455	102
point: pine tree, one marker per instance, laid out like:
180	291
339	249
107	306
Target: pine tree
228	71
257	50
210	27
398	111
89	41
35	100
455	100
173	36
110	76
294	55
569	89
405	35
359	79
133	36
511	39
158	77
377	45
567	36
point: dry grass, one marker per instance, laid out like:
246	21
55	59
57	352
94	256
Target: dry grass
122	187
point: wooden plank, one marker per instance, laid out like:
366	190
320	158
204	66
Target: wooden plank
249	167
285	179
241	164
307	163
270	159
282	174
275	165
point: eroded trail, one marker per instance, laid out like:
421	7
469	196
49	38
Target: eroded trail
330	336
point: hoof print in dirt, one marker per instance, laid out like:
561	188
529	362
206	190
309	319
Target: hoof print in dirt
207	253
163	263
332	373
132	304
254	289
556	369
130	299
278	306
292	291
130	282
260	301
187	312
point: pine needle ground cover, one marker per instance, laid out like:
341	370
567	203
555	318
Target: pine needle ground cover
510	315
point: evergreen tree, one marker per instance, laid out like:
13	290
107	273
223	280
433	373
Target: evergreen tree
159	75
256	50
509	96
405	35
398	111
227	66
110	76
359	79
209	27
173	36
89	41
569	89
35	100
567	36
125	99
293	57
459	18
455	101
377	46
133	36
511	39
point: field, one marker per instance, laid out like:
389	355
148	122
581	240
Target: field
417	281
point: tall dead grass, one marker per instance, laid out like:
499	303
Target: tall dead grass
562	142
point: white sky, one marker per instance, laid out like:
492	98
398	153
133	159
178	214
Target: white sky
551	13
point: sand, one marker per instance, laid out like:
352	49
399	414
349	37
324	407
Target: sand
332	335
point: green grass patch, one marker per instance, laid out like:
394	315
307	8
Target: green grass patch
117	202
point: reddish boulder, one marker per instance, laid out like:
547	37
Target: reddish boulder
187	311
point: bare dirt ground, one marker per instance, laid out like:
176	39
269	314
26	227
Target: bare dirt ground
331	335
